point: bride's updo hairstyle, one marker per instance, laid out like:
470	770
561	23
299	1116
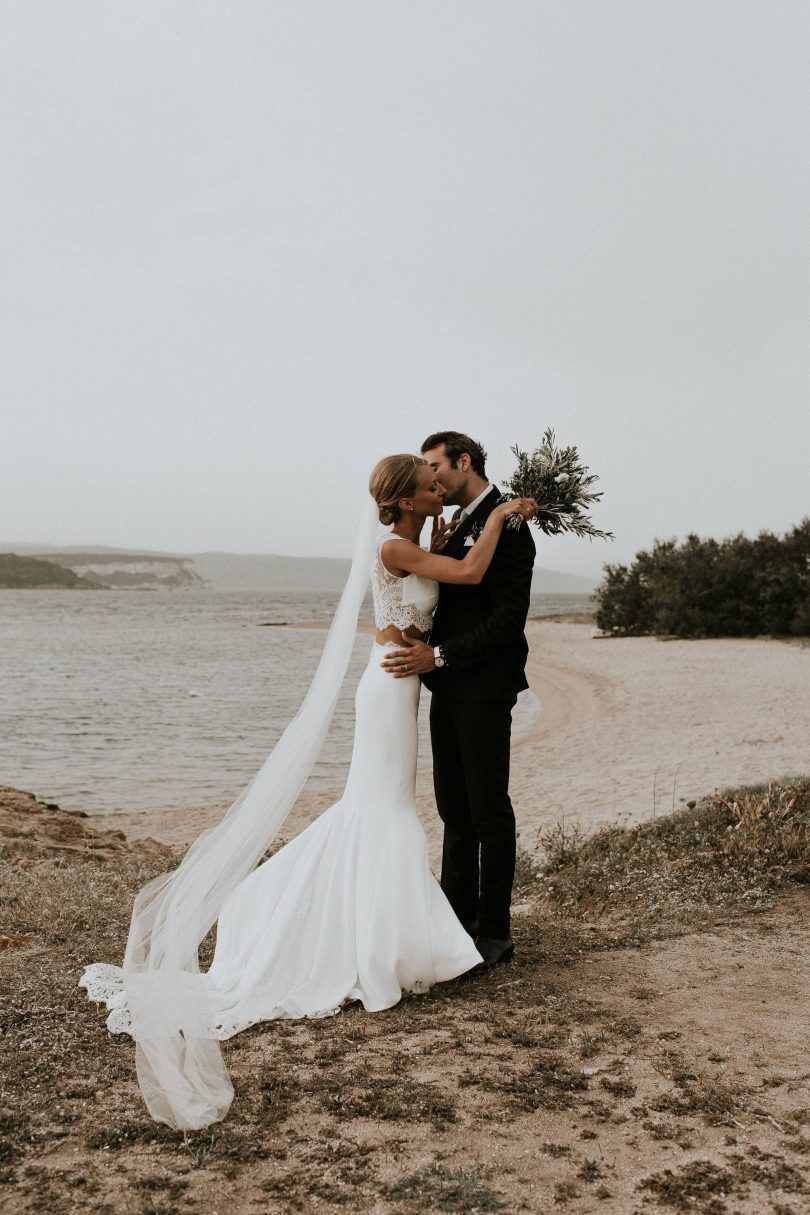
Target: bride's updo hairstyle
395	477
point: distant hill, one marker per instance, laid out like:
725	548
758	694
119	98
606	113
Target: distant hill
131	571
27	573
259	572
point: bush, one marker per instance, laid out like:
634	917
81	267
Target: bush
709	588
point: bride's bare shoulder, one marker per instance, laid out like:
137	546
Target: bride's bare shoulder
394	551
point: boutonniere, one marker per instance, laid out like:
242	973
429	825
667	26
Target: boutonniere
472	536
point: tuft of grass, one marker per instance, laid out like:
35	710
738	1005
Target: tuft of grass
618	1088
172	1187
528	874
700	1181
544	1082
716	1100
703	1186
564	1192
278	1095
561	844
435	1188
555	1150
329	1171
590	1045
386	1097
591	1170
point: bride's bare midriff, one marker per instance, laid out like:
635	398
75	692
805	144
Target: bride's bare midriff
392	633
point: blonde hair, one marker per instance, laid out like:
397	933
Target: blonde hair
393	478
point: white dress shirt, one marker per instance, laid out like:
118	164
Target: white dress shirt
468	510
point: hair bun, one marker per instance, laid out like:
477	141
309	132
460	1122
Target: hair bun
394	478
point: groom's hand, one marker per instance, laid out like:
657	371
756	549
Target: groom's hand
416	659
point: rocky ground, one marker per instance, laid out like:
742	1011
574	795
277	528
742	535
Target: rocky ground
33	832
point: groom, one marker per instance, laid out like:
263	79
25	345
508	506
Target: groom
474	665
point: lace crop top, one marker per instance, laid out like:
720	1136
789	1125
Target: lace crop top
403	602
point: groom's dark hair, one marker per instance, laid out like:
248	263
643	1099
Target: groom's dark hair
455	445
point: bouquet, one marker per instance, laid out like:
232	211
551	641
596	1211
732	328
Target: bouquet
560	484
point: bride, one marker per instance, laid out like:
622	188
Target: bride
349	909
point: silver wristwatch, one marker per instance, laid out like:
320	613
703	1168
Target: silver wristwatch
439	659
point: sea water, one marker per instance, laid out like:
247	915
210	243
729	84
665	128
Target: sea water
120	701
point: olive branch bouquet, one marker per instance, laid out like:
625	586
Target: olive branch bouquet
560	483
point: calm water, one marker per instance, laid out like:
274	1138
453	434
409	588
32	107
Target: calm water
114	701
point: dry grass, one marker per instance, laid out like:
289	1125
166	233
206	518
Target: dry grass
418	1108
727	854
703	1186
438	1189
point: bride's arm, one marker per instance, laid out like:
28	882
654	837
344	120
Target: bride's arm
471	569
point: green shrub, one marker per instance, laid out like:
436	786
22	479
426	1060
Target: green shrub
708	588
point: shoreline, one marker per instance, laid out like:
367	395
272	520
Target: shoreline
626	730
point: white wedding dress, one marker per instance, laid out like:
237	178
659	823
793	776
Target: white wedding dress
349	909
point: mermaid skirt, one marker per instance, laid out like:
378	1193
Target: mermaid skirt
349	909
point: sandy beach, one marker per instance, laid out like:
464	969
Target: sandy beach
629	728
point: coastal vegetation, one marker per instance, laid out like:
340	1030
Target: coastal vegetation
708	588
733	849
106	569
30	573
590	1073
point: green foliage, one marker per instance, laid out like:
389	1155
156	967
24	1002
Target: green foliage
708	588
561	485
28	572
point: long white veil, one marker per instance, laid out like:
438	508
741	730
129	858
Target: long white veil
180	1068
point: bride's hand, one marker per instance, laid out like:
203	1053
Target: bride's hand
525	507
441	533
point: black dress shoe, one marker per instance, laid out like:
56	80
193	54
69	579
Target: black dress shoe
494	950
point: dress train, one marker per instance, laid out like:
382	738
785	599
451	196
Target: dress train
348	910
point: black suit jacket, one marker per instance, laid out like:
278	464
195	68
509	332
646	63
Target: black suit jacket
480	628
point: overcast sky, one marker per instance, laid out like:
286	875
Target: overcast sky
250	247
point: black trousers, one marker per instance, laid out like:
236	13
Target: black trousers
471	778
